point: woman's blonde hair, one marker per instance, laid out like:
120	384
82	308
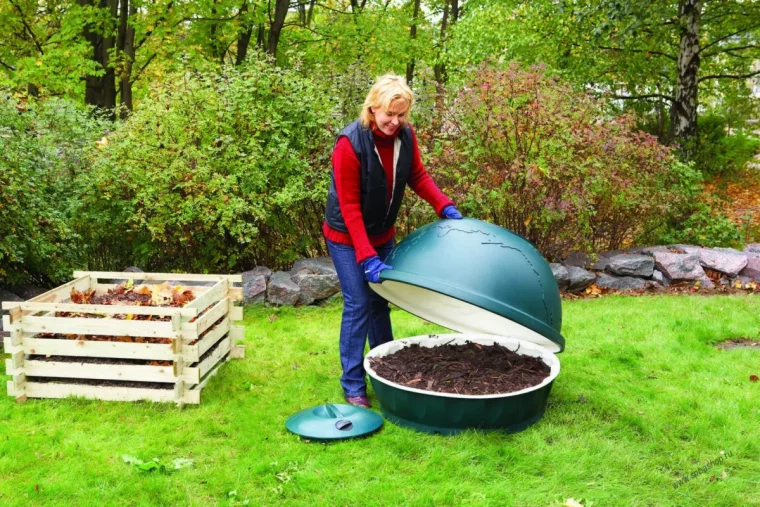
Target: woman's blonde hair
387	90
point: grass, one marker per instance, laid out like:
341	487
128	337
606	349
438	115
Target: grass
643	399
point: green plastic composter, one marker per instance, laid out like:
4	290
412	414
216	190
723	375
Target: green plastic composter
492	286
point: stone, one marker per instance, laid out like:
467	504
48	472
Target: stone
315	287
679	266
648	250
605	281
586	261
317	266
258	271
752	248
721	260
688	249
752	269
282	290
706	283
561	275
631	265
579	278
657	276
254	288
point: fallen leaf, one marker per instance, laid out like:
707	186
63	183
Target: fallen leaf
272	318
570	502
753	378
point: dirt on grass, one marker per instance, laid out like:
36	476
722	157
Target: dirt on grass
471	369
737	343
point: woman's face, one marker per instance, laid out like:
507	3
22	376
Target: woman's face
388	122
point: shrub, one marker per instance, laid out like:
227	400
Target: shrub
702	226
721	152
43	146
214	173
523	150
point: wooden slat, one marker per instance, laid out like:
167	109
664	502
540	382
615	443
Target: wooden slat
106	393
205	381
221	351
107	327
214	294
219	310
237	332
108	309
236	312
237	352
10	347
163	277
235	294
213	336
61	293
136	373
84	348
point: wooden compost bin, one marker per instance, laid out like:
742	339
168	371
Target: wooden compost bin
201	336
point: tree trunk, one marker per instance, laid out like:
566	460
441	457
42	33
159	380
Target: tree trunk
413	34
280	12
310	12
684	112
128	48
244	37
261	35
100	91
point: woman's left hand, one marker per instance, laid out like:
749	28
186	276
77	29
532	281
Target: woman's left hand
452	212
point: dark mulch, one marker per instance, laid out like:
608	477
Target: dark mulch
470	369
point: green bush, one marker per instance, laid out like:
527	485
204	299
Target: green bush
523	150
718	151
213	173
702	226
43	146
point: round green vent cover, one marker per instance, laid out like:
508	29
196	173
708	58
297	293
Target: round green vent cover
334	422
475	277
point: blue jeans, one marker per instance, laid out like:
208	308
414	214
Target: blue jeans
364	313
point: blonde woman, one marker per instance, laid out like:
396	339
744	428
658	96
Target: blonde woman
373	161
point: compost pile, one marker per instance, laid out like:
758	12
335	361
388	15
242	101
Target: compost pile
470	369
126	294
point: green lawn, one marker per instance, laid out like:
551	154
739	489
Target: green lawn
643	399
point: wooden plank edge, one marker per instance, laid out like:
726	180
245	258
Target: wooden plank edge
100	371
165	277
103	393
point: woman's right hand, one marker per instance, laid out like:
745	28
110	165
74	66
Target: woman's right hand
372	267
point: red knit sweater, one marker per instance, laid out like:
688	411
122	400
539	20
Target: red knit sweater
346	167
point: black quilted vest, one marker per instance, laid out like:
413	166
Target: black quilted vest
378	217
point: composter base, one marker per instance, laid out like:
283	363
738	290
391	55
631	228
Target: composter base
448	414
438	430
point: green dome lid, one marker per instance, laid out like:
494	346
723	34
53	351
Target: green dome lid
334	422
475	277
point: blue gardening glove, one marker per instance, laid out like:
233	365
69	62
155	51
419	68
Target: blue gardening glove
372	267
451	211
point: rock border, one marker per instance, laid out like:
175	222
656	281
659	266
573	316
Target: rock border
315	281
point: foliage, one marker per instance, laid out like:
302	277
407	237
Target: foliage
702	226
43	146
524	151
44	46
721	152
214	172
